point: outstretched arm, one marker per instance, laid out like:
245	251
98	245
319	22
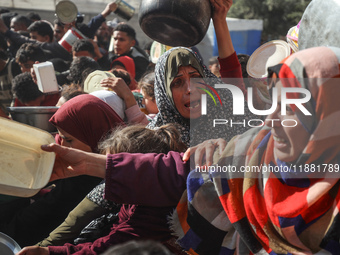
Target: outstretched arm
153	179
71	162
230	66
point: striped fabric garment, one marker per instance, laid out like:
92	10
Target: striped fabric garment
266	211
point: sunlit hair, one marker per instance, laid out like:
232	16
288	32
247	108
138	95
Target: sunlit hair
139	139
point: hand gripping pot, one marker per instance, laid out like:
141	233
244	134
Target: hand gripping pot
124	10
175	22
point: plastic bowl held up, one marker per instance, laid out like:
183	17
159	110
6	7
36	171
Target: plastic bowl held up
36	116
24	167
267	55
175	22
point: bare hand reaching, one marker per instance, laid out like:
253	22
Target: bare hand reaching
110	7
219	17
71	162
203	152
33	250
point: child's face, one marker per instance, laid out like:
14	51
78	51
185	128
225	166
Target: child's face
150	104
26	67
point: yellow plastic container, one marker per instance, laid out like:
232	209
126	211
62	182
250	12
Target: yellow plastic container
24	167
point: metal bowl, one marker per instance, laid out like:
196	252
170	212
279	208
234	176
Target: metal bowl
36	116
7	245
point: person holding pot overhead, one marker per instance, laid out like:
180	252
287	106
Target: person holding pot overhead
179	101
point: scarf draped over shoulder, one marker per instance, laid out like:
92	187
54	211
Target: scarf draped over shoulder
273	211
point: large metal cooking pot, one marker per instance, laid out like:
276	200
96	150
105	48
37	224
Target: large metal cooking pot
36	116
175	22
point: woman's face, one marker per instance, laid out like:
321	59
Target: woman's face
289	142
72	142
186	96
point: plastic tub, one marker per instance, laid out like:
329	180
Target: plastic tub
24	167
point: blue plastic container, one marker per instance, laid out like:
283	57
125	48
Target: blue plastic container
245	34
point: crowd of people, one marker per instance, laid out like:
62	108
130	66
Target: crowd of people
136	159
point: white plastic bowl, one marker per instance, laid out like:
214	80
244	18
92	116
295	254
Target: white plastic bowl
267	55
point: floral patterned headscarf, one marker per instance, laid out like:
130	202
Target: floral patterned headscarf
192	131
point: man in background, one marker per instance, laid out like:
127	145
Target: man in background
124	37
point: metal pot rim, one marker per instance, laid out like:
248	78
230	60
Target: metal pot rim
33	109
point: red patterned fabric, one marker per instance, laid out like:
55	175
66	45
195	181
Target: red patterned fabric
275	212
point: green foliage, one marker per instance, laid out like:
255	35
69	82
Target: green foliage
278	16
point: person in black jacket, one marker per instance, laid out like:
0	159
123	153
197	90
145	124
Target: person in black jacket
124	44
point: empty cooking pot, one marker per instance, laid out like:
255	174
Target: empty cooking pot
36	116
175	22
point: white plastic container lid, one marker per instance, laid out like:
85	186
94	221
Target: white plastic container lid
66	11
92	81
46	78
267	55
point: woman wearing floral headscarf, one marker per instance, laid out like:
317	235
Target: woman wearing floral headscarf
180	102
289	202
